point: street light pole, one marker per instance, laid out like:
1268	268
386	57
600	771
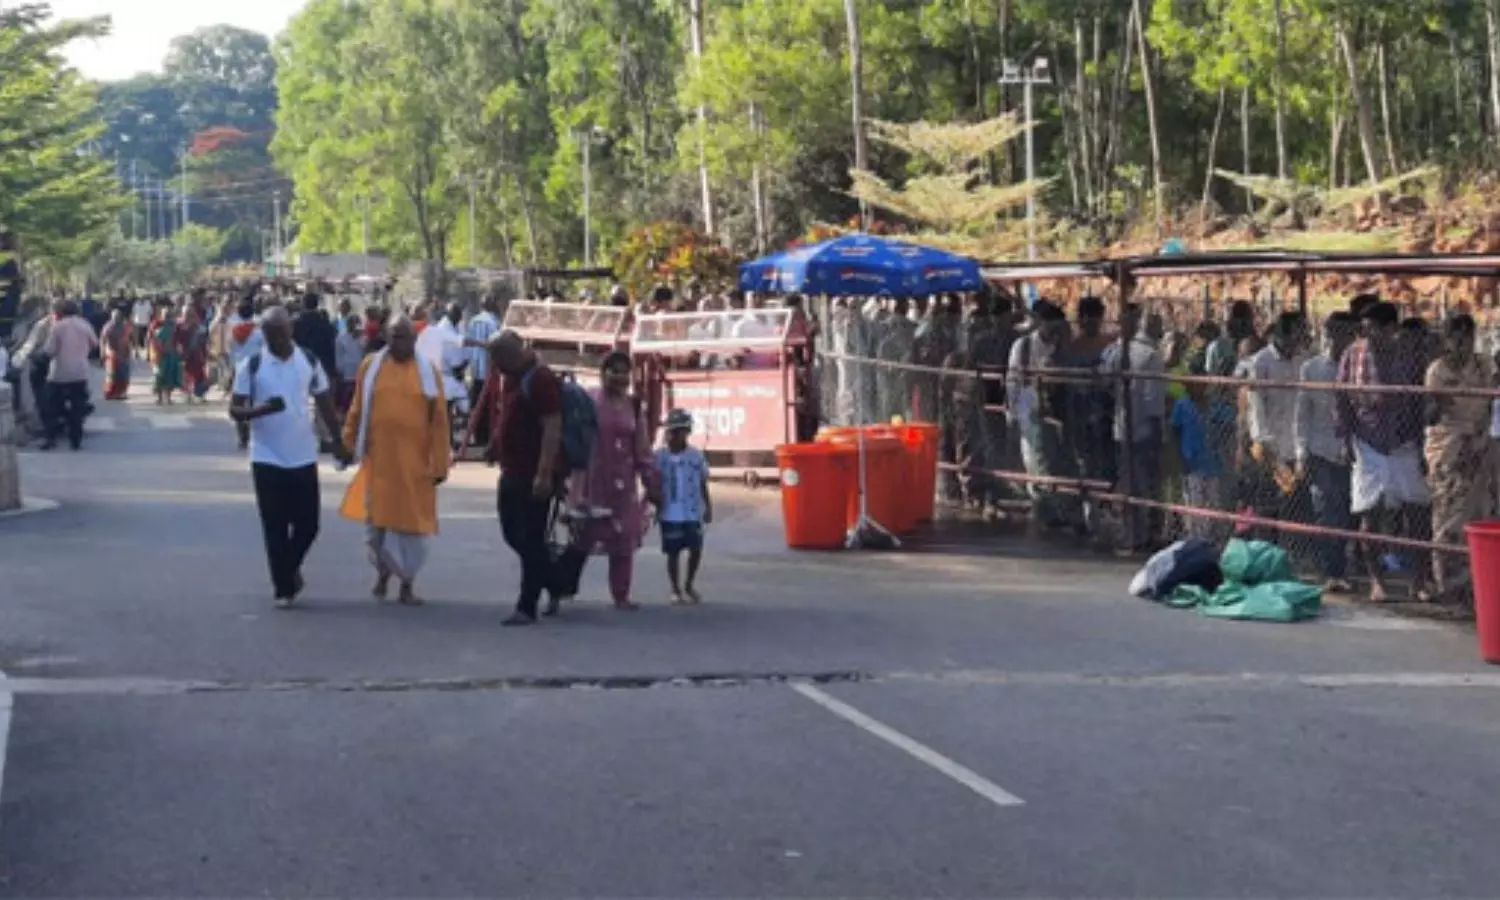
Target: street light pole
1033	74
184	188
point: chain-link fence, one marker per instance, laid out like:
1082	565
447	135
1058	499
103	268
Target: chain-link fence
1363	464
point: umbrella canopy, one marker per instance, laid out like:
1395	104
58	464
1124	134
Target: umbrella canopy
861	265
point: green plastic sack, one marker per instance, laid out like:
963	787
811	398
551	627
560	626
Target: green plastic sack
1277	601
1254	562
1258	586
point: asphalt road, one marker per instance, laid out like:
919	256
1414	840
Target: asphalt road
962	719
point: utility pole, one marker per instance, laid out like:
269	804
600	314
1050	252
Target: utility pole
183	158
135	200
161	212
276	213
1028	76
150	209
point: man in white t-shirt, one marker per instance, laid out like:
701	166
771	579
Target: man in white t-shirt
441	344
274	390
140	316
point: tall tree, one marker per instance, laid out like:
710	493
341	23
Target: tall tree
58	194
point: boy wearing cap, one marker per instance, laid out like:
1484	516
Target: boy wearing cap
685	503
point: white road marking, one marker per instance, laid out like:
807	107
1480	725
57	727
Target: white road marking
6	700
101	425
918	751
164	422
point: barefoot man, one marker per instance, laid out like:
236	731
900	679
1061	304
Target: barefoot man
398	430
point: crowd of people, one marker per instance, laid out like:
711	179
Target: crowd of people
1358	422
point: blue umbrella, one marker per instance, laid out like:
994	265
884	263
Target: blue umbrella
861	265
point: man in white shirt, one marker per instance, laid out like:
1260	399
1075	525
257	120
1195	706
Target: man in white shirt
441	344
1323	458
140	317
273	391
1148	403
1273	409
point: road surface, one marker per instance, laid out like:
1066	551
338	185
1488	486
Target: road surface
991	719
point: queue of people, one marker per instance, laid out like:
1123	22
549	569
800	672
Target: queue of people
1350	426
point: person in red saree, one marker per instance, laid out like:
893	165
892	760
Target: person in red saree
116	345
192	346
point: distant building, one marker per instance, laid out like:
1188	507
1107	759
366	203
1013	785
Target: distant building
337	266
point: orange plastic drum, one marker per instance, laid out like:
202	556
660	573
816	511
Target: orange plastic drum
818	485
922	439
885	475
907	509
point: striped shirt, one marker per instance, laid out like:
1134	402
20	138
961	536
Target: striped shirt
481	328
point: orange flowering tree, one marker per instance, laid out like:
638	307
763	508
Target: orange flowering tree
672	253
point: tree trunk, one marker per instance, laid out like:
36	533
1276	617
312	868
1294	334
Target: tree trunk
1071	143
1386	119
1213	152
695	29
1492	31
1002	35
857	99
1158	188
1245	144
1364	116
1117	101
528	214
1277	89
757	188
1335	142
1085	119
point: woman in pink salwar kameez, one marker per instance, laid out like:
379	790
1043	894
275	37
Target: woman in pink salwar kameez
608	501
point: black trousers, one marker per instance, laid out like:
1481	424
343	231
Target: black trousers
289	504
523	522
64	408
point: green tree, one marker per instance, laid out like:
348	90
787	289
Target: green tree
58	196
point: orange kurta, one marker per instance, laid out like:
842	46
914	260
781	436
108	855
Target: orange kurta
407	450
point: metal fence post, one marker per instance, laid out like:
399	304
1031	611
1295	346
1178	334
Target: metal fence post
10	466
1127	412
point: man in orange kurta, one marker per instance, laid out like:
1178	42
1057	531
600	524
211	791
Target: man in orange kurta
398	428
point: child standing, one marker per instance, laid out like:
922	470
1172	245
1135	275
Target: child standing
1203	431
685	504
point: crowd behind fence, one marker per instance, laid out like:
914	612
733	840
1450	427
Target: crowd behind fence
1279	429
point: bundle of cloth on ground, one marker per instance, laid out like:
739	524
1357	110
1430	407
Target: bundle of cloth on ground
1249	580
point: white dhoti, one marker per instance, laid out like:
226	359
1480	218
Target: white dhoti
398	554
1392	480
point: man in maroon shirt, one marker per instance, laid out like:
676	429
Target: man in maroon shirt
525	398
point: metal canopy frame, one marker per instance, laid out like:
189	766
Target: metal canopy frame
1293	263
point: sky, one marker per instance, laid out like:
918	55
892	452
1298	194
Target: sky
144	28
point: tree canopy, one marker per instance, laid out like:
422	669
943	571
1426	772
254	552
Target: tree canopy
58	195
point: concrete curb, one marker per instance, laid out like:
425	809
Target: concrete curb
30	505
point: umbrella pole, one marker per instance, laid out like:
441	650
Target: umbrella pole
867	532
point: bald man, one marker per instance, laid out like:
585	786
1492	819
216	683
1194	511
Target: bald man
525	398
273	391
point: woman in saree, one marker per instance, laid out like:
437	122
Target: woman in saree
166	352
115	344
192	344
